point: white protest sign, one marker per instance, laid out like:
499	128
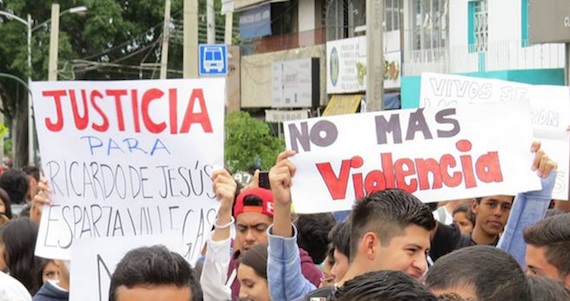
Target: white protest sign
94	260
109	144
550	112
436	154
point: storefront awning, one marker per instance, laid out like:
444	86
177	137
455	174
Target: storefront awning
348	104
342	104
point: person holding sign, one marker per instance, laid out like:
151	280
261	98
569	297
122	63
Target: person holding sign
400	242
492	213
252	213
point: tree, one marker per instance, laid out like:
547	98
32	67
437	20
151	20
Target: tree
249	143
111	42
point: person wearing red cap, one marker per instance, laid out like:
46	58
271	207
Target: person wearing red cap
252	215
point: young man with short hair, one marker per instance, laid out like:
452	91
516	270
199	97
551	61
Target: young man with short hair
153	273
253	214
492	213
383	286
484	273
390	230
548	248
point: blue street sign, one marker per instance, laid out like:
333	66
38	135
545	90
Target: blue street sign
213	60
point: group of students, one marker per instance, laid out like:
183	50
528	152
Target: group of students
389	248
385	246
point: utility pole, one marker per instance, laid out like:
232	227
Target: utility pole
190	39
53	43
375	55
210	22
229	28
165	39
31	146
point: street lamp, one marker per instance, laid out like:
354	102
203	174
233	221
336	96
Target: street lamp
53	54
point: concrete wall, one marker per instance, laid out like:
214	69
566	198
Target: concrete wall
256	74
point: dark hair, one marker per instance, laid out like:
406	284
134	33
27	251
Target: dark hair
479	199
42	263
465	208
432	206
16	184
387	213
312	235
32	171
340	238
553	211
491	272
154	265
256	258
554	234
5	198
451	297
383	286
547	289
252	200
19	239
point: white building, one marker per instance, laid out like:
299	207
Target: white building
486	38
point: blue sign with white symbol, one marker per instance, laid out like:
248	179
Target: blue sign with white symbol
213	60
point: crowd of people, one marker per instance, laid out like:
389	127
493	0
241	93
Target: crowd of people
392	246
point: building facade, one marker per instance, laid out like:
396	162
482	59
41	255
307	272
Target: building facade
485	38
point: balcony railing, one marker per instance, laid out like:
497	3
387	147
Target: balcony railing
510	55
285	42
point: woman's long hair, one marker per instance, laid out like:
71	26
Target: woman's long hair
18	237
256	258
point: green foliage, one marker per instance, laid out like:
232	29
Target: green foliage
249	140
7	147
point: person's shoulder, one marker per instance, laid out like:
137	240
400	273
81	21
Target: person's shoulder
12	289
464	241
320	294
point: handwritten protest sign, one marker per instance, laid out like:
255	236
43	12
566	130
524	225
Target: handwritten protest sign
93	261
550	112
106	145
435	153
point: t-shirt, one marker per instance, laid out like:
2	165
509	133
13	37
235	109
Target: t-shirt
12	289
448	238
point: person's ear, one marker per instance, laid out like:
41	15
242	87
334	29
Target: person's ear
368	245
474	206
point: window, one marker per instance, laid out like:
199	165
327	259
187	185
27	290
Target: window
347	18
344	18
478	28
430	19
394	14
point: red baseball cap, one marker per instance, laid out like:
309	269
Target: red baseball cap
266	202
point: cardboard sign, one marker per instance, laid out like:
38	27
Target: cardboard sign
550	112
94	260
436	154
111	146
